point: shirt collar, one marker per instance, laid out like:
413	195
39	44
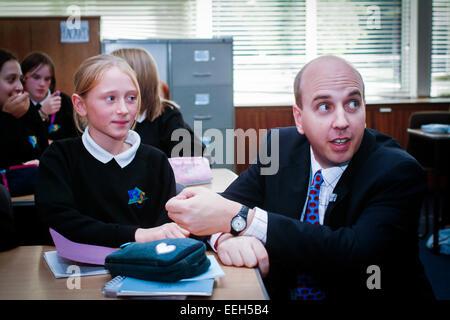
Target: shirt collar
123	159
43	101
141	117
330	175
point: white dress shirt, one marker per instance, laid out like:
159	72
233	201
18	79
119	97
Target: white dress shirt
123	159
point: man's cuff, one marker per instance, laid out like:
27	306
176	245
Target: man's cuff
258	227
213	239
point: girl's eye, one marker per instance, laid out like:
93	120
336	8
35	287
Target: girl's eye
110	99
131	98
323	107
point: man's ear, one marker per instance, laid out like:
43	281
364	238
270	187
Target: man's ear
297	111
79	105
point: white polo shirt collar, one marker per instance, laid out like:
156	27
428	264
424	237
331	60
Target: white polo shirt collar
43	101
141	117
122	159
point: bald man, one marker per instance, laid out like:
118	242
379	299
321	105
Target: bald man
339	218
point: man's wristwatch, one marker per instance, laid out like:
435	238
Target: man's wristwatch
239	221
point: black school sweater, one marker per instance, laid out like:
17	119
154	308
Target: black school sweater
158	132
21	139
102	204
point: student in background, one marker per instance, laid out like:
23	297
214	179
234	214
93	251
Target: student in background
106	187
159	117
54	107
20	140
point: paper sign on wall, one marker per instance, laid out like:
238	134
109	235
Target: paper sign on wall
74	33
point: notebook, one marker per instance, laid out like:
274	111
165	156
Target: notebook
130	287
201	285
436	128
64	268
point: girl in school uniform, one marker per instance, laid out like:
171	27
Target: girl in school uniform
106	187
54	108
20	140
159	117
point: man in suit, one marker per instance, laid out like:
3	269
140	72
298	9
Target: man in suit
338	219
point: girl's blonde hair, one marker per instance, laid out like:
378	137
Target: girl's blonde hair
90	73
147	74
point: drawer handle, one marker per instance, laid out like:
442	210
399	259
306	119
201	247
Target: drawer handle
199	74
207	117
385	110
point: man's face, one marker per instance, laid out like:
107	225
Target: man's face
333	113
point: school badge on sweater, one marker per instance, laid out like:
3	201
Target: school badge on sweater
137	197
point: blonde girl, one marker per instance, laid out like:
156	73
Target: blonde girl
106	187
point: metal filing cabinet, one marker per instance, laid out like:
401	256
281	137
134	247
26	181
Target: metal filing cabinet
201	81
199	73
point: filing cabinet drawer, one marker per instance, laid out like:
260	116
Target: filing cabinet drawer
219	147
213	105
201	64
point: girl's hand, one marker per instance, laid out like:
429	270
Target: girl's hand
52	105
17	104
168	230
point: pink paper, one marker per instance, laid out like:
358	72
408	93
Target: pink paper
191	170
85	253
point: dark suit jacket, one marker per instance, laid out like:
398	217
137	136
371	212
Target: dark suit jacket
373	221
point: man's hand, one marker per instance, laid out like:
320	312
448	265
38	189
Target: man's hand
202	211
17	105
168	230
52	104
243	251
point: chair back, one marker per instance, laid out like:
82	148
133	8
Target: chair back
422	149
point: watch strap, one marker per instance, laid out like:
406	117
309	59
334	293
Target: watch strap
243	212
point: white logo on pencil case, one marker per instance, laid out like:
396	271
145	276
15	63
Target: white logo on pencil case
162	248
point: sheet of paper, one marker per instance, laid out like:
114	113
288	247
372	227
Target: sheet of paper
80	252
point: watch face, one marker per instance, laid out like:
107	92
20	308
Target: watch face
238	224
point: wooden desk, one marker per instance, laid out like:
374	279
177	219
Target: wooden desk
222	178
26	276
436	139
21	201
429	135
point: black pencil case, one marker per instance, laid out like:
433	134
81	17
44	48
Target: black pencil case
166	260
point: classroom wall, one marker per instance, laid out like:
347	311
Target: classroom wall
23	35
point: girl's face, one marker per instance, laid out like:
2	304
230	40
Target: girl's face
37	82
10	80
110	108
